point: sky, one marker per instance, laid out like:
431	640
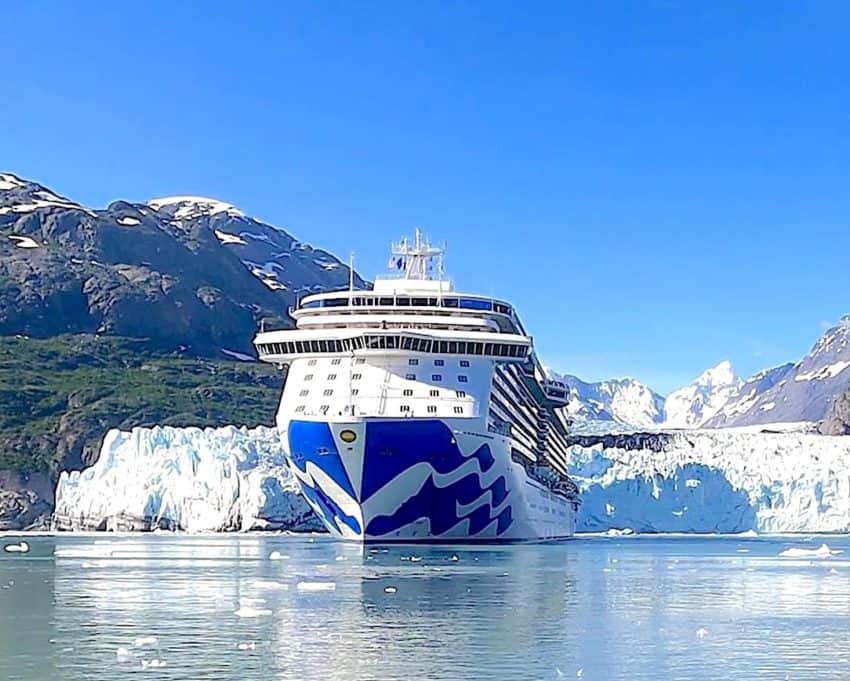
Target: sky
657	186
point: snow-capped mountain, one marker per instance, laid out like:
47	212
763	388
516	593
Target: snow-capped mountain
621	400
183	271
805	391
693	405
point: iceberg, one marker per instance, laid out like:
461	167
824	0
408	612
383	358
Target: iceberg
713	481
192	479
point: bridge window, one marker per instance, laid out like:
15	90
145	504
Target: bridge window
502	308
311	303
464	363
385	301
403	301
476	304
450	302
335	302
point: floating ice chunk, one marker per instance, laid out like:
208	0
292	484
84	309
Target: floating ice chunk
142	641
416	559
91	565
702	632
455	558
248	611
277	555
21	547
271	585
338	558
833	571
153	664
316	586
823	551
580	672
122	654
247	645
748	533
615	532
390	589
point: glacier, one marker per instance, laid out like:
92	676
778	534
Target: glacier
730	480
193	479
711	480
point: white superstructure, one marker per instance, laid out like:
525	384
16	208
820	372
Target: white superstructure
412	412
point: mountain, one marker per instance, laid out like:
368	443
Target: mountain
132	315
804	391
620	400
187	273
693	405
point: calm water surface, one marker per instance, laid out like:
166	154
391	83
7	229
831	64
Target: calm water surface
88	607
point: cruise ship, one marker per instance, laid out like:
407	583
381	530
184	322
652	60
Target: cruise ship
414	413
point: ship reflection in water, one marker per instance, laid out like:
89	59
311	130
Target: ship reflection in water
218	607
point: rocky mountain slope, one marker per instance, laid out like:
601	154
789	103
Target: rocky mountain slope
132	315
693	405
623	400
188	273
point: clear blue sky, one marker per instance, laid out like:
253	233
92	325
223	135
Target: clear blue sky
656	185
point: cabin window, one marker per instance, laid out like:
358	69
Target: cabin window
308	377
458	410
410	377
311	363
435	392
413	362
331	377
304	393
328	392
299	409
404	407
436	378
360	360
432	408
462	379
324	408
460	393
439	362
336	361
408	392
355	391
356	377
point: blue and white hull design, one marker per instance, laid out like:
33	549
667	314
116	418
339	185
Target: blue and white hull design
409	480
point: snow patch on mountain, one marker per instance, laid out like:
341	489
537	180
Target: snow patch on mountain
694	404
194	206
713	481
623	400
196	479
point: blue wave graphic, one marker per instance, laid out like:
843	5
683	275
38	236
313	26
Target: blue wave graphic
393	447
313	441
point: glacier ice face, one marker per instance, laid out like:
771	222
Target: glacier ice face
195	479
713	481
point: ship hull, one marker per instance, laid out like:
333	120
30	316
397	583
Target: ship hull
420	480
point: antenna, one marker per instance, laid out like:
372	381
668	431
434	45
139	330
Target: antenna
351	271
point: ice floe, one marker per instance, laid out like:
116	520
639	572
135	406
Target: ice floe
20	547
823	551
316	586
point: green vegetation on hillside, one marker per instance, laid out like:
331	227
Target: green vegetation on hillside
59	396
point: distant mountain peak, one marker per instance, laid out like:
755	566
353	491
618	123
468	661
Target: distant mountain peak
719	375
190	207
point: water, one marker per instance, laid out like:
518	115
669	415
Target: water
595	608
